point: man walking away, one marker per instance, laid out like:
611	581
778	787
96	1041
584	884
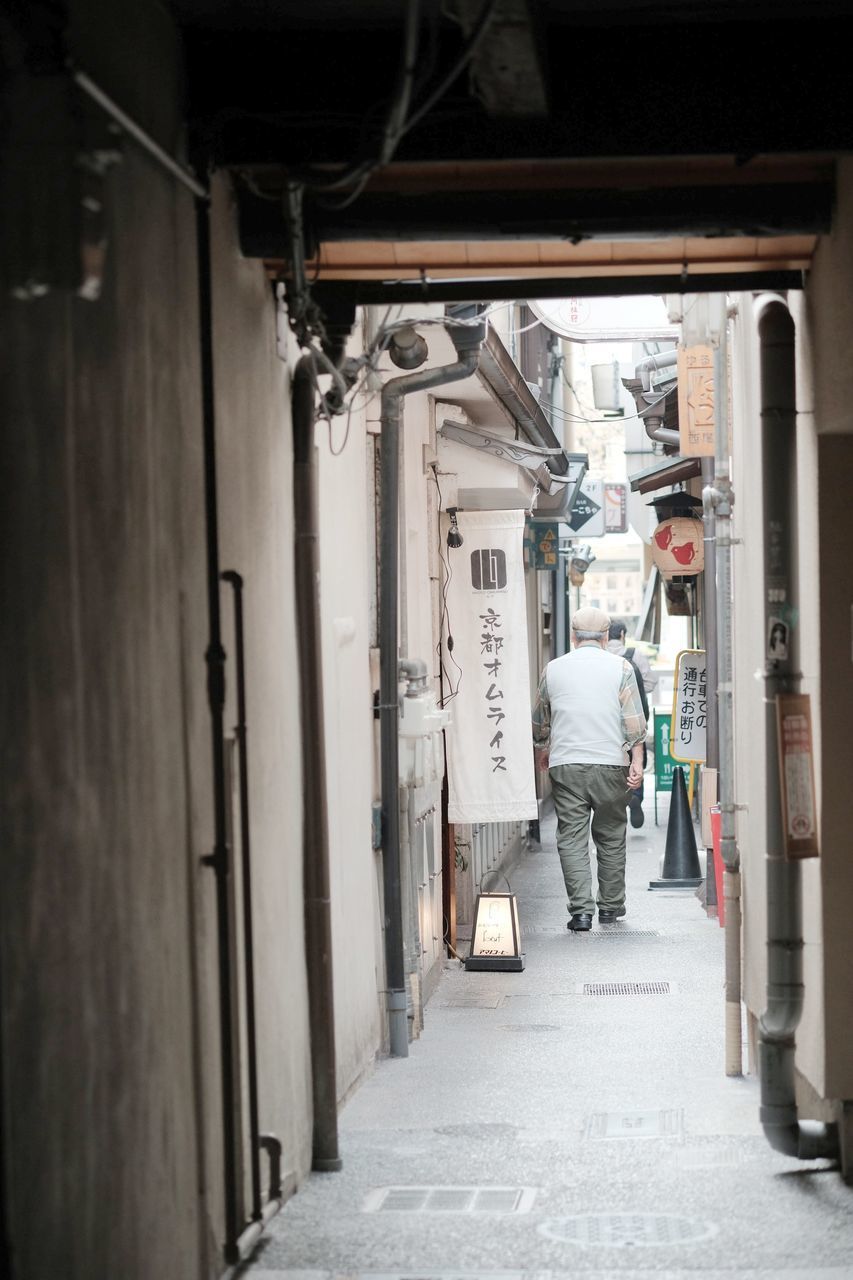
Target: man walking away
588	730
646	682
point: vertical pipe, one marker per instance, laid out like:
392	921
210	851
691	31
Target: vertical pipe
722	499
315	826
785	990
220	859
236	582
709	628
393	393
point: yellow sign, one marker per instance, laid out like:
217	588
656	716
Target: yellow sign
696	401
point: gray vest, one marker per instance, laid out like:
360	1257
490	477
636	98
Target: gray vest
586	715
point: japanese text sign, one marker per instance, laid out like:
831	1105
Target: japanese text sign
689	707
489	753
696	401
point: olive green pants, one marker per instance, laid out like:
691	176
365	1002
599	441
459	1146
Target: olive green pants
599	791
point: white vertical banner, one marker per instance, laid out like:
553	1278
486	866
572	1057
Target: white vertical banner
489	745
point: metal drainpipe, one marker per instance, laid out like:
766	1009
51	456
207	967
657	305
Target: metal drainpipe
415	672
467	342
315	826
807	1140
719	498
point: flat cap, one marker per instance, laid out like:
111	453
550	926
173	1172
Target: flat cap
593	620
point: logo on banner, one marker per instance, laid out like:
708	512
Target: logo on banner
488	569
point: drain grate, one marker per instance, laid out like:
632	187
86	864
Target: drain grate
635	1124
627	1230
593	935
626	988
450	1200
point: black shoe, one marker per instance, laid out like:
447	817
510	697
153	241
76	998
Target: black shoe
610	916
635	808
580	922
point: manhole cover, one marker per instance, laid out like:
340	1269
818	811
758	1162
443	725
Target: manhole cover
635	1124
450	1200
627	1230
625	988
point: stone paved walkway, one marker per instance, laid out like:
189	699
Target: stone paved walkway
537	1130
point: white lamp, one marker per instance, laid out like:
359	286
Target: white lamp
496	939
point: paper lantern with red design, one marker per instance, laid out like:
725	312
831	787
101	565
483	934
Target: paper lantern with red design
678	547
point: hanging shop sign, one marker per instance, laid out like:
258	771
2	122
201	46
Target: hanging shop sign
689	707
796	775
678	546
489	751
587	514
696	401
615	508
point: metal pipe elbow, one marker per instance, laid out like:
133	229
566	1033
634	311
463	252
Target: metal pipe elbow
803	1140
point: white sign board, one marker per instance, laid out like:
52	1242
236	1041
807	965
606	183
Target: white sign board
626	319
689	707
587	515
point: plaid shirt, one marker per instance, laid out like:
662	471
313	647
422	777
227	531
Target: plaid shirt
633	720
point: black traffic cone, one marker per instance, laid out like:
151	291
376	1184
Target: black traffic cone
681	869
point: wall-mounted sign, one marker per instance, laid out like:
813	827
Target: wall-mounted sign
541	541
689	707
616	508
696	401
796	775
678	546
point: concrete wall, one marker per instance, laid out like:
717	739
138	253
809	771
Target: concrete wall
356	870
110	1031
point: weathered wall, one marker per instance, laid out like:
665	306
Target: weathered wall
104	608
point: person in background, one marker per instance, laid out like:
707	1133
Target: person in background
588	721
646	681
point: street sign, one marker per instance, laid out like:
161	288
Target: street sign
664	763
587	516
689	707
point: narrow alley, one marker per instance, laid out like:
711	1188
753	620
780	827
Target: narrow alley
421	418
559	1121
